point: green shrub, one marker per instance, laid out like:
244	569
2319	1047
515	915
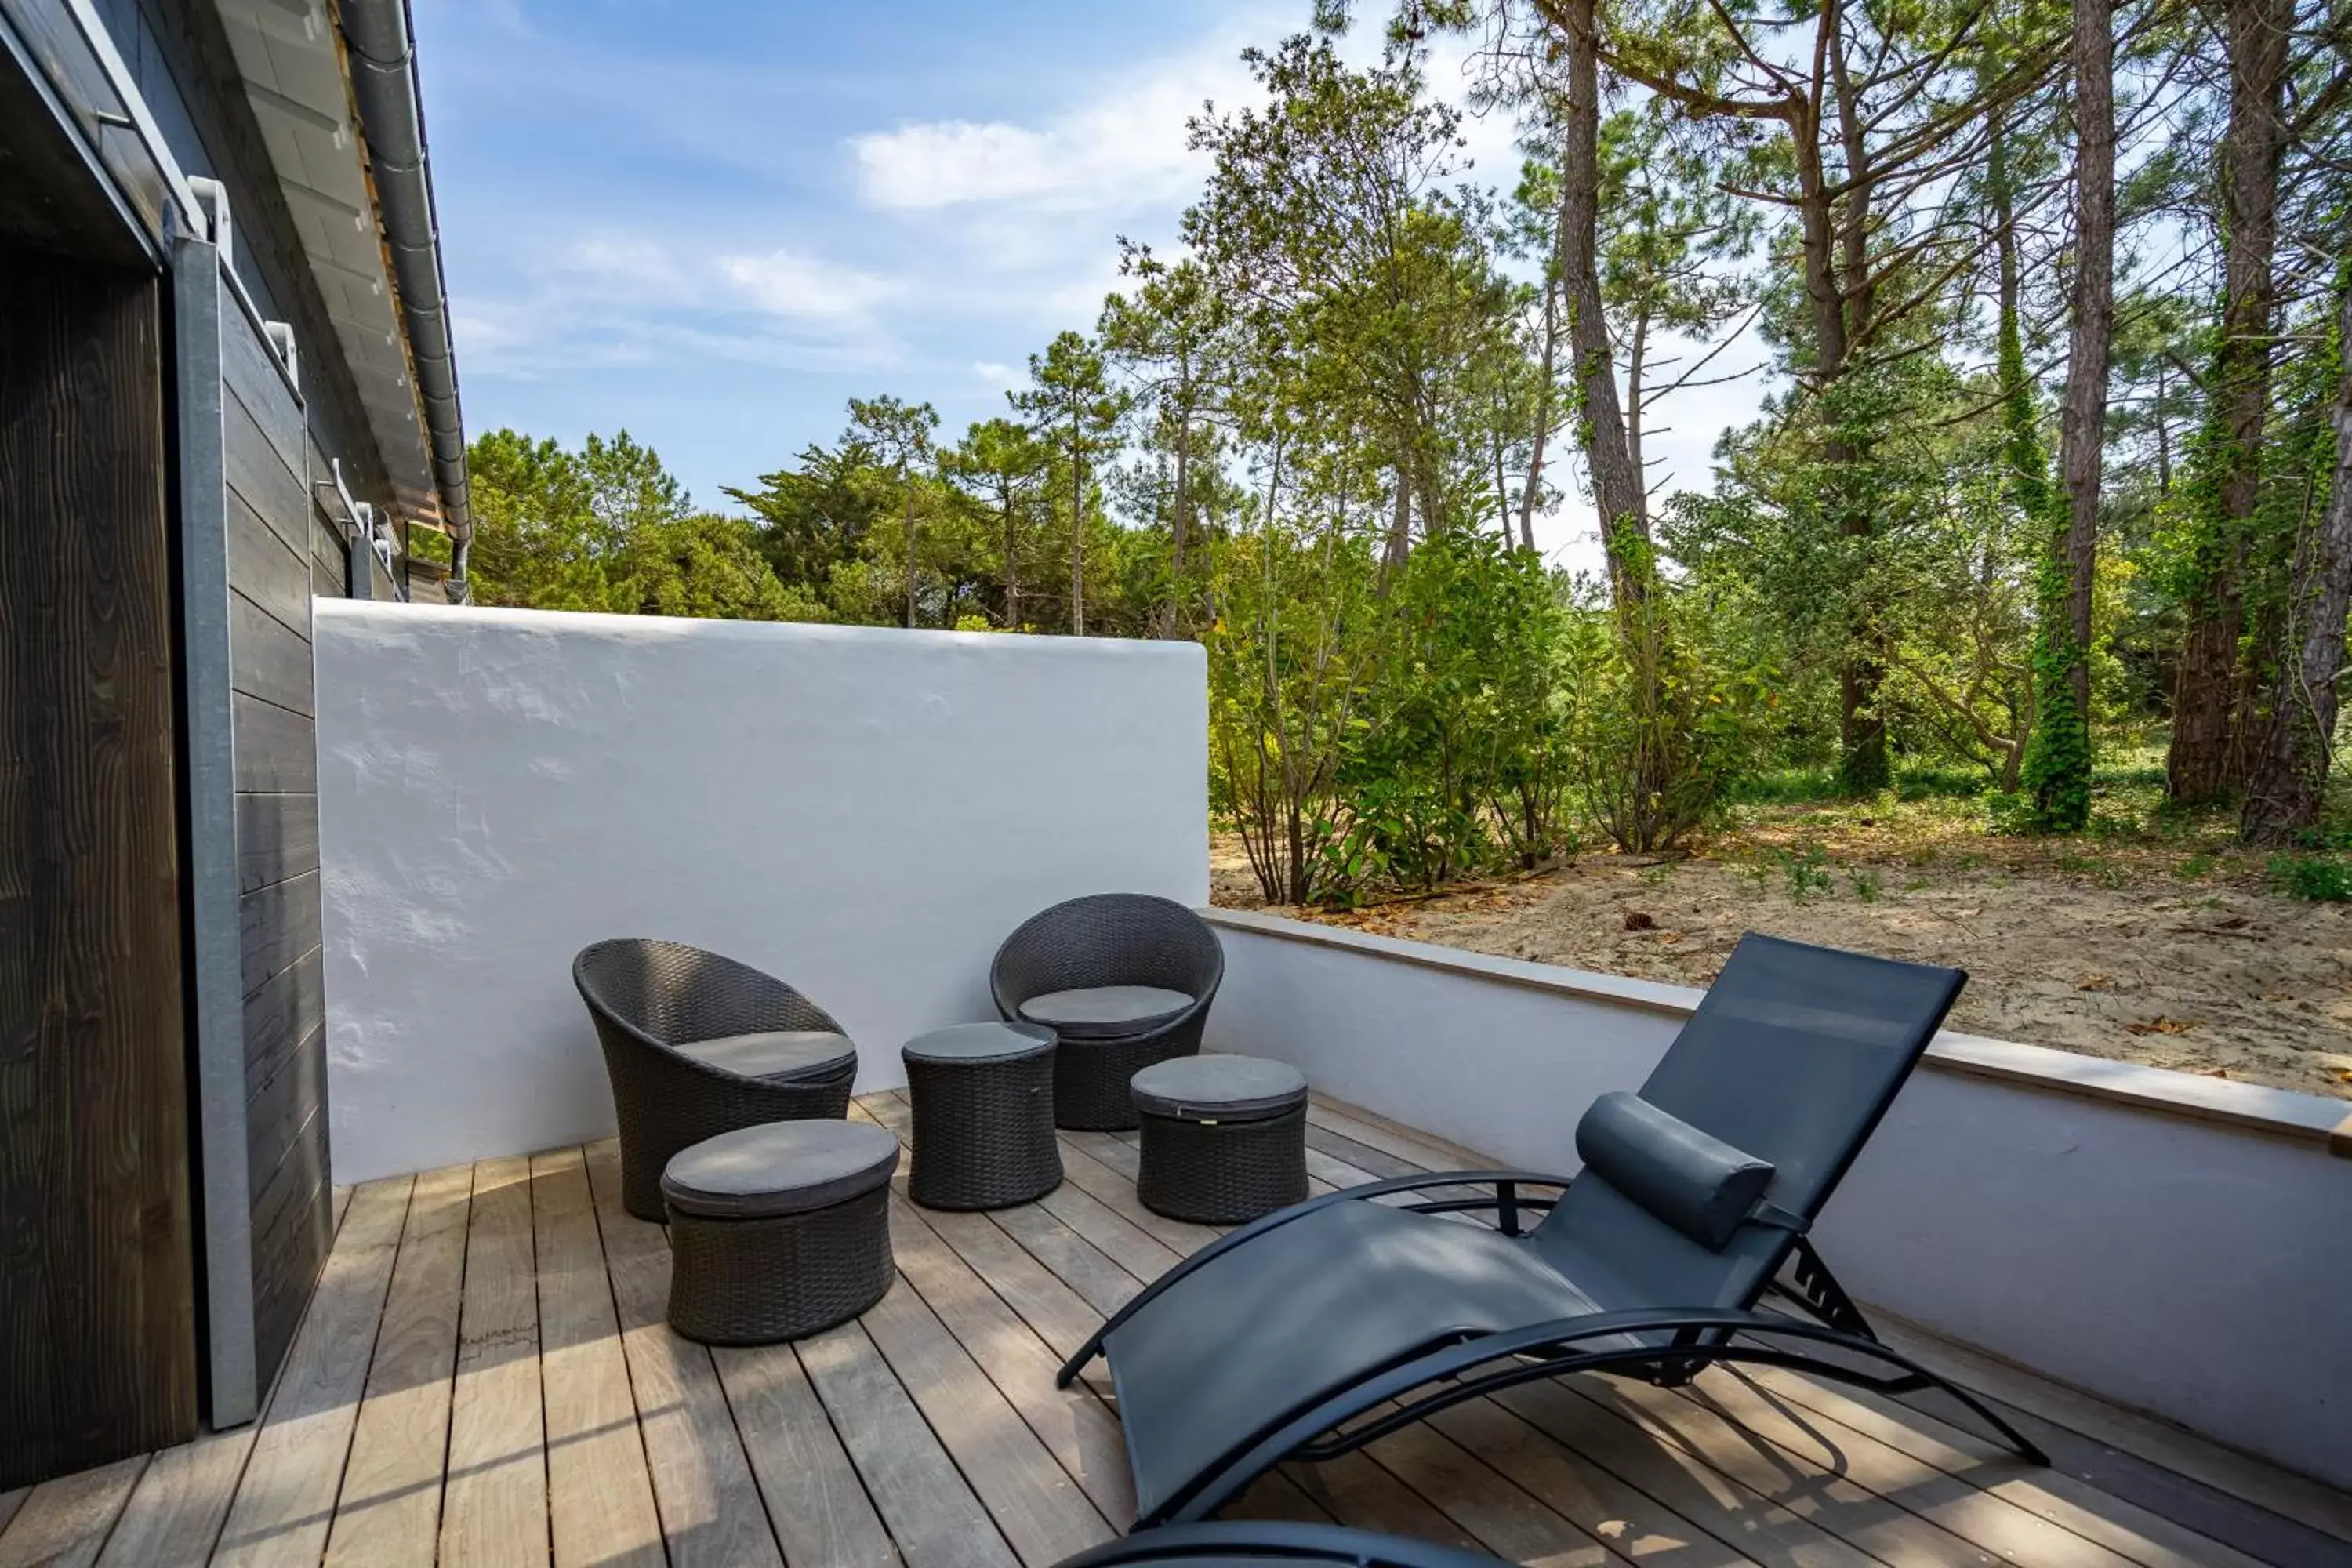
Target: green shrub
1804	871
2322	879
2010	814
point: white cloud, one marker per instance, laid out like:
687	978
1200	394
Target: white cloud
803	288
990	373
1121	148
612	300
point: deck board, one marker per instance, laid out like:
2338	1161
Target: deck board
285	1503
819	1506
1075	1427
1707	1504
494	1504
64	1522
600	1495
389	1511
176	1512
709	1505
933	1516
487	1367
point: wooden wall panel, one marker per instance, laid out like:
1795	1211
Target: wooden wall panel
274	575
274	748
98	1309
277	851
276	837
248	539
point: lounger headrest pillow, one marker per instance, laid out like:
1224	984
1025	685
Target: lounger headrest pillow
1700	1185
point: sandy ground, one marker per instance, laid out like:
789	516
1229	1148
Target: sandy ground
2141	953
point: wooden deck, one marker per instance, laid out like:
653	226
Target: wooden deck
484	1376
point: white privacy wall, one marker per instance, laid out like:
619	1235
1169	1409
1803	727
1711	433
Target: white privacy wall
2172	1243
864	812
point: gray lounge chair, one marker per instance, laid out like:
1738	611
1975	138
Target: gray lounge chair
1241	1543
1276	1342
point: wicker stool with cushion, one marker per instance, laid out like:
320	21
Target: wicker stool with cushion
1224	1138
983	1099
1124	979
778	1231
697	1045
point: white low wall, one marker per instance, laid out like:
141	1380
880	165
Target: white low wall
2171	1242
863	813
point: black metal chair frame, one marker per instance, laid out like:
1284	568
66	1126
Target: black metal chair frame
664	1100
1448	1374
1109	938
1274	1541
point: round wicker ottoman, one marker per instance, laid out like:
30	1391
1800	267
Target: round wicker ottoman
1224	1138
778	1231
983	1099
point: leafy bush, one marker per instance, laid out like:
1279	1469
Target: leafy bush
2322	879
1804	871
1458	764
1660	733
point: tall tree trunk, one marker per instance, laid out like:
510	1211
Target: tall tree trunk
1077	529
1825	232
2206	760
907	484
2289	776
2163	438
2058	753
1012	563
1616	488
1179	523
1547	386
2028	462
1400	540
1635	359
1863	764
1502	487
2082	429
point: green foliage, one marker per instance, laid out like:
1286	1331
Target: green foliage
607	528
2324	879
1312	442
1458	763
1804	870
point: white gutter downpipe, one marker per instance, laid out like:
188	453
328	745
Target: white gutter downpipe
380	41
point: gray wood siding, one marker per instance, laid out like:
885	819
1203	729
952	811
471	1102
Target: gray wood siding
267	464
248	516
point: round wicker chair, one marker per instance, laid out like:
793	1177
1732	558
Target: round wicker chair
648	999
1102	940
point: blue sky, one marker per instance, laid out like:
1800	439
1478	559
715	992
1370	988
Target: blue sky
713	221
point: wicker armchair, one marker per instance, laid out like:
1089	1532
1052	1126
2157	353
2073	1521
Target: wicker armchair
650	998
1104	940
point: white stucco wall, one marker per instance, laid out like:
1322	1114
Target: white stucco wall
2168	1242
863	813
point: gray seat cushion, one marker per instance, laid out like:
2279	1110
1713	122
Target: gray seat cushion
784	1053
783	1167
1219	1088
980	1043
1106	1012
